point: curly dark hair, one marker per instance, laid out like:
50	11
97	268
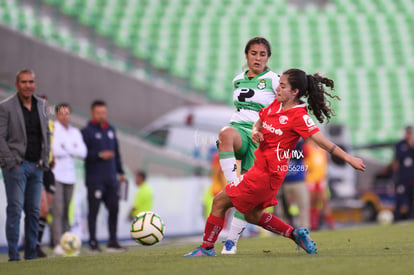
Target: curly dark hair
312	87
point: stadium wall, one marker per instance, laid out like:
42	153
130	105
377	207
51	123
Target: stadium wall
63	76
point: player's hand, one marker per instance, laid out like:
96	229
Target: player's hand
106	154
257	136
357	163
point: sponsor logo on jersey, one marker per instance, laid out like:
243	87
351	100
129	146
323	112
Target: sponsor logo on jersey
272	129
308	121
282	154
283	119
262	84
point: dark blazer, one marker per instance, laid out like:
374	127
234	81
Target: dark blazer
13	139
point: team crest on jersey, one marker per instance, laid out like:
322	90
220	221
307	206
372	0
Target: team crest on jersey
283	119
262	84
111	134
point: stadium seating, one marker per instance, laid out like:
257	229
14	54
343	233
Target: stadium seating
367	46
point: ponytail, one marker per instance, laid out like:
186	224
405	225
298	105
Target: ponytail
312	87
318	104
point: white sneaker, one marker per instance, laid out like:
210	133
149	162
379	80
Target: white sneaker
58	250
229	248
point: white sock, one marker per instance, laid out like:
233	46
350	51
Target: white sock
236	229
228	165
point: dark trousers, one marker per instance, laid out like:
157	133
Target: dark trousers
404	194
109	195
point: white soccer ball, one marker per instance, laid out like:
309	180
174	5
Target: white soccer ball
147	228
70	243
385	217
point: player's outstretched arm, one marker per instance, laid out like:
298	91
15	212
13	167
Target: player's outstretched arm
332	148
257	135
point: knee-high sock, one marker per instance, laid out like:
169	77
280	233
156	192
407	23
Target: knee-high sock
228	165
314	217
275	225
212	230
238	224
330	220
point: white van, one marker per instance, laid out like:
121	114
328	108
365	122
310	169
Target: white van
191	130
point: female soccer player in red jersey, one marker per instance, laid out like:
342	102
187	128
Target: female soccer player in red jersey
277	131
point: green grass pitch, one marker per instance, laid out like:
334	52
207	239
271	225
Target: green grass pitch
362	250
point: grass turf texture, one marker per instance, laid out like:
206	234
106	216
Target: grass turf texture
363	250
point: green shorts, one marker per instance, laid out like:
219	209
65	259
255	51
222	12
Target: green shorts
246	151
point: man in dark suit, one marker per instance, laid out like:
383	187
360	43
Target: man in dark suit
24	153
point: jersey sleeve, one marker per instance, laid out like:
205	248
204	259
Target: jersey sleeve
305	126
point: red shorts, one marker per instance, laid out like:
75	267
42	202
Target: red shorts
253	190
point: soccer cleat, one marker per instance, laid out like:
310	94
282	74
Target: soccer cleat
229	248
201	252
303	240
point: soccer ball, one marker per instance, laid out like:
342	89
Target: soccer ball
385	217
147	228
70	243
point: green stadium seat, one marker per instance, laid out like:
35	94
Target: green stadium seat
71	7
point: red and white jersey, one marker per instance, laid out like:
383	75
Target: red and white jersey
281	132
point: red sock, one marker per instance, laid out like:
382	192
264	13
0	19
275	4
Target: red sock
314	216
275	225
330	221
212	230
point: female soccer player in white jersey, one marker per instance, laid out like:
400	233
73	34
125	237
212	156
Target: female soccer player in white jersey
278	130
253	90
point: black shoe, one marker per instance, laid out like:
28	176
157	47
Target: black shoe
115	247
94	247
40	253
14	260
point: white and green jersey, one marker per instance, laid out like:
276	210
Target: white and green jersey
251	95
